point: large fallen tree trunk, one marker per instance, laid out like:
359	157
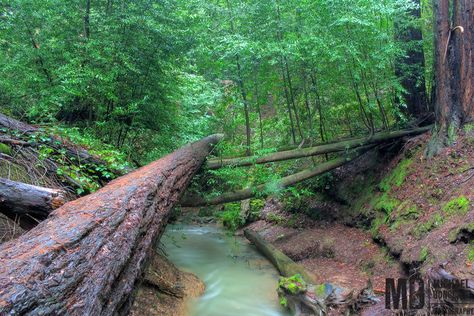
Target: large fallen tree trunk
217	163
269	188
87	256
28	204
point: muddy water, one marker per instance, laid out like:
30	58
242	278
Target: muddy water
239	281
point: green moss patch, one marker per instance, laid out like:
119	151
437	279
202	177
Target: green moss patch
293	285
457	206
5	149
397	176
433	222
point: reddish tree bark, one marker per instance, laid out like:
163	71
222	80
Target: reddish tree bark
86	258
454	65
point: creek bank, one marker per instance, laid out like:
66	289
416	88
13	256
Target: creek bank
165	290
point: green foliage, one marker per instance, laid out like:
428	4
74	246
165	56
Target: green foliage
5	149
275	218
397	176
230	217
293	285
457	206
283	301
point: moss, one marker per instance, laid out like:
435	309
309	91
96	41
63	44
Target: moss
423	228
454	233
320	290
470	252
424	252
397	176
293	285
469	127
256	206
275	218
283	301
385	203
457	206
376	224
5	149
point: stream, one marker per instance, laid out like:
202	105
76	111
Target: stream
239	281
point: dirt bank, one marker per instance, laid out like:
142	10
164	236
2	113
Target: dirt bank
384	218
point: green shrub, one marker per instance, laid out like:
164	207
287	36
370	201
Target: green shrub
230	217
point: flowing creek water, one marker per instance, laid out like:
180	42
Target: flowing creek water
239	281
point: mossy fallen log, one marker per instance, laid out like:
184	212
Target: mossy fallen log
269	188
86	257
217	163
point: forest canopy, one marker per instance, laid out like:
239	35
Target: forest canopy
148	76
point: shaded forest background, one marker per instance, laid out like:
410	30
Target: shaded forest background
135	80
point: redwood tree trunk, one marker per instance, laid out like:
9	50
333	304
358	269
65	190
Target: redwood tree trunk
86	258
454	65
410	68
28	204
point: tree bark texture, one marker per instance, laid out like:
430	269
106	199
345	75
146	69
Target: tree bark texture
86	257
28	204
454	64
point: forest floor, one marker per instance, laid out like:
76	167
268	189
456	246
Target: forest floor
384	218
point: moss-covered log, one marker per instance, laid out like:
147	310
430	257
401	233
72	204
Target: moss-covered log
268	188
282	262
28	204
86	257
217	163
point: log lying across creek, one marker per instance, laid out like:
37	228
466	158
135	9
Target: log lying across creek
270	188
28	204
88	255
217	163
282	262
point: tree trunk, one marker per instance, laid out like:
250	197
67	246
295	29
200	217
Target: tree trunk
454	64
410	68
28	204
282	262
86	258
268	188
313	151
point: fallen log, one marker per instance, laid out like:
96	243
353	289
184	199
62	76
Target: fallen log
301	298
75	152
269	188
28	204
217	163
86	257
282	262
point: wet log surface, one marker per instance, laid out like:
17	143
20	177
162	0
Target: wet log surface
86	258
28	204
